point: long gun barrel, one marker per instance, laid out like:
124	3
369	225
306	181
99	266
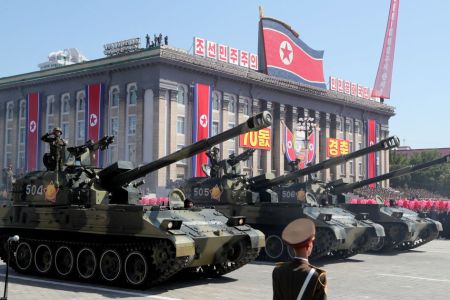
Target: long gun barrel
255	123
400	172
233	160
388	143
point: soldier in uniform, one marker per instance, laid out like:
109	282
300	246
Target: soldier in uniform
56	159
298	279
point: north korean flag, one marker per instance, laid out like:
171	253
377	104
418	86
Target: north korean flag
33	132
94	116
285	55
289	149
311	146
201	124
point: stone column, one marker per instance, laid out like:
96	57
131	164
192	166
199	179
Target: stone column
162	134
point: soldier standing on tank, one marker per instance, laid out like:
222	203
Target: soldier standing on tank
298	279
55	161
8	180
213	156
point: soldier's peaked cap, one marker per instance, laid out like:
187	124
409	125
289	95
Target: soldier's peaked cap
299	231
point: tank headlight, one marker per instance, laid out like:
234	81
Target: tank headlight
325	217
397	214
236	221
362	216
170	224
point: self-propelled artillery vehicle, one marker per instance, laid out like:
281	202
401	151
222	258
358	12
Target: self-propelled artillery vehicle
269	204
84	222
405	229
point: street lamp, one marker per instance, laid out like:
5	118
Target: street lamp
307	125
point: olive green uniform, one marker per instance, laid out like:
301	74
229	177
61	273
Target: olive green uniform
289	278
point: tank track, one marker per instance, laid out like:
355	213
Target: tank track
156	273
218	270
367	246
417	243
324	243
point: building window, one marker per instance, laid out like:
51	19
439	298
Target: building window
231	125
358	127
81	101
65	106
359	145
9	136
338	123
350	164
21	160
22	110
80	130
343	171
180	125
132	152
65	129
216	101
182	95
131	124
50	105
113	153
9	111
8	158
244	107
114	126
132	94
215	128
360	169
115	97
232	105
348	126
350	145
22	135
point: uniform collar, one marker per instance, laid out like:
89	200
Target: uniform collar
299	258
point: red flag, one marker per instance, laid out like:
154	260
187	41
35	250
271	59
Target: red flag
33	132
289	149
95	95
371	162
201	123
285	55
382	86
311	146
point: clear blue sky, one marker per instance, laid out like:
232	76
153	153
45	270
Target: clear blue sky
350	31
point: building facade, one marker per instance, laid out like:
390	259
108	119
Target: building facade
149	107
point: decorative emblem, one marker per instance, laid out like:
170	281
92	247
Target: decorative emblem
216	192
301	195
93	119
33	126
50	192
289	144
311	147
286	53
203	121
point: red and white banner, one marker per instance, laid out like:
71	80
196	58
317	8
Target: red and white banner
94	116
311	147
33	131
371	157
288	144
382	86
256	139
201	124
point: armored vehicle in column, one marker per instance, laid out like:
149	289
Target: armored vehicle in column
81	221
405	229
271	203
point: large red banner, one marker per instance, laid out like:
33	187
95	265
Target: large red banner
94	116
289	149
311	147
201	123
371	158
286	55
382	86
256	139
33	132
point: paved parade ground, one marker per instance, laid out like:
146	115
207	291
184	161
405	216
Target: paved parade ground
423	273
